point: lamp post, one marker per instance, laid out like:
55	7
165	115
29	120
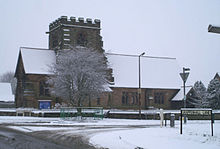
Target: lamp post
139	88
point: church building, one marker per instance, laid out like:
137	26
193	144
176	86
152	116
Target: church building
160	80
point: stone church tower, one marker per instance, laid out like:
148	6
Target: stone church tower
32	68
65	32
75	32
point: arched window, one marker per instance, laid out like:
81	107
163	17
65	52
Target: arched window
44	89
159	98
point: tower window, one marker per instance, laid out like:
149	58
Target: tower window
81	39
54	41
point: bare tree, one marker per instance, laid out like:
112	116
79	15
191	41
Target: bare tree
8	77
79	74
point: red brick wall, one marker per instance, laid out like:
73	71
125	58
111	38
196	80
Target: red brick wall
114	98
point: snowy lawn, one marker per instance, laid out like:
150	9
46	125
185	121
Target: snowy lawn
196	134
125	134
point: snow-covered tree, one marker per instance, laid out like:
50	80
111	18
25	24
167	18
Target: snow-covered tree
8	77
199	97
79	74
214	93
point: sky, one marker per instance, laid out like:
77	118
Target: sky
170	28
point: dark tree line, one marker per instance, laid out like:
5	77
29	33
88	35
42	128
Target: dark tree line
206	97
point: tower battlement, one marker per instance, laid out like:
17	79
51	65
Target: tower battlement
73	21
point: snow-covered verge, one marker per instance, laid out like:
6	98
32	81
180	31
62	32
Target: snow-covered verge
40	121
124	134
196	134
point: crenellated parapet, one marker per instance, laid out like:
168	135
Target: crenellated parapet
73	21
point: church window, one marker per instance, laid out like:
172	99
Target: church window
44	89
98	101
124	97
28	89
81	39
54	41
129	98
159	98
134	98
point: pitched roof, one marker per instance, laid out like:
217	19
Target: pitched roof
6	93
161	73
37	61
156	72
179	96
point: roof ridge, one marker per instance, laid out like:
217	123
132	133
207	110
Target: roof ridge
34	48
6	82
132	55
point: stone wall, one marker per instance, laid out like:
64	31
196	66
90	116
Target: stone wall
64	32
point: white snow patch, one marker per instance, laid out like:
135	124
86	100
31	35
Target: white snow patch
179	95
6	93
195	135
155	72
37	61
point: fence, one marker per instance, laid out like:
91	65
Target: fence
72	112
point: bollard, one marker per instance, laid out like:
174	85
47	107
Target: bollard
172	120
161	117
165	118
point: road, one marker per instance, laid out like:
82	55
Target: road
12	139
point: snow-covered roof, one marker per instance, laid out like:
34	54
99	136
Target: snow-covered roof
37	61
6	93
155	72
179	95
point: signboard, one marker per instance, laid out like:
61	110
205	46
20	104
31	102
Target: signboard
198	112
184	76
44	104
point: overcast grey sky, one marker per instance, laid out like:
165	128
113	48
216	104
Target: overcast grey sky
171	28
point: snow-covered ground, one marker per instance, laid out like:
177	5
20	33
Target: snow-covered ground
125	134
196	134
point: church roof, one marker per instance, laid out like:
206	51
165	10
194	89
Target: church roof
6	93
180	96
156	72
37	61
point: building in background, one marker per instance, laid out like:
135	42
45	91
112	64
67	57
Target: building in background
160	80
6	96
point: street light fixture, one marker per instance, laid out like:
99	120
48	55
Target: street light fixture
214	29
139	88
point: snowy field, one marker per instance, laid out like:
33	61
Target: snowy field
125	134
